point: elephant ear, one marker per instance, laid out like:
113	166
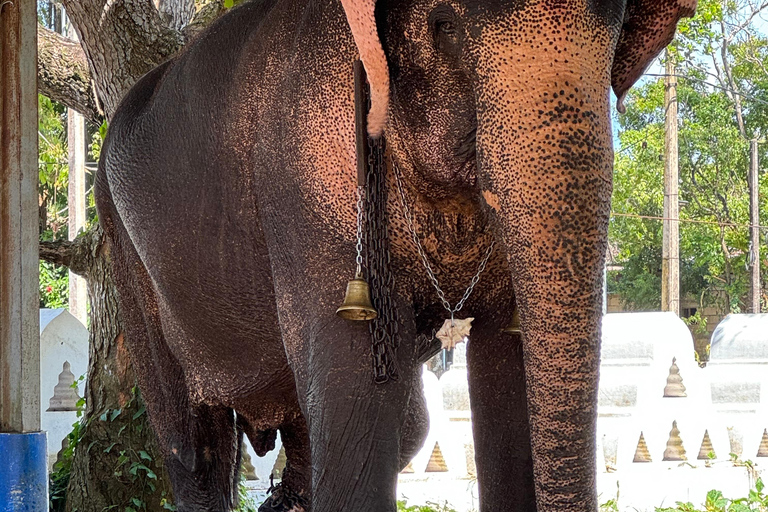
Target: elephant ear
360	16
649	26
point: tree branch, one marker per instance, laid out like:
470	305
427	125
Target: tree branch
122	40
204	17
77	255
176	13
63	74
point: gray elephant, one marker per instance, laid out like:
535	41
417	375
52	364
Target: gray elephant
227	189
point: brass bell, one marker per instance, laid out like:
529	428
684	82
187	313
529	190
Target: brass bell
357	301
514	327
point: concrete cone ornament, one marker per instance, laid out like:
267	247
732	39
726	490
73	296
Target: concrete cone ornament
675	450
246	465
763	450
436	462
674	387
706	448
641	452
279	467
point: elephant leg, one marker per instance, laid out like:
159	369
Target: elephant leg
199	444
354	424
293	493
500	421
416	425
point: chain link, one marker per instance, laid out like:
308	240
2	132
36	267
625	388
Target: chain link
425	261
359	259
384	328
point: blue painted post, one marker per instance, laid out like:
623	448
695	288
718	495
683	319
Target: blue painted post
23	472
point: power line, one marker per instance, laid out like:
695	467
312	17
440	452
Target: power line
710	84
690	221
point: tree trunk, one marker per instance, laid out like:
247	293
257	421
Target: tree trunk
116	460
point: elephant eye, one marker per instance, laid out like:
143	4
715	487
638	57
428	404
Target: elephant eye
446	27
443	22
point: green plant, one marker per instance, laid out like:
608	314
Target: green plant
247	504
755	501
430	506
59	477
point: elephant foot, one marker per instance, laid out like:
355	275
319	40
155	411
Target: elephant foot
283	499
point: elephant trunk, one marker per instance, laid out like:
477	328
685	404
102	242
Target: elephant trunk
545	161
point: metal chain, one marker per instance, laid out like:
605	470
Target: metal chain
384	328
425	261
359	259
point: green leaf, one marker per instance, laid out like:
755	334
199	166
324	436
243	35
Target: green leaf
109	448
144	455
759	485
140	411
115	414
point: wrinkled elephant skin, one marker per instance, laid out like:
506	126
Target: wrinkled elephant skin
227	189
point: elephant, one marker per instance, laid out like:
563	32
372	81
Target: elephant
227	191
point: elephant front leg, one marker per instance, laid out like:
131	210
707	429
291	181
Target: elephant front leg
354	424
500	420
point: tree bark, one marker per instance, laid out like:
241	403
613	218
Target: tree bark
63	74
122	40
117	459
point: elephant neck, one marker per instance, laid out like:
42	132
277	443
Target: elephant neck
453	228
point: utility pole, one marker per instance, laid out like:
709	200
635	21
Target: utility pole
78	287
670	265
754	230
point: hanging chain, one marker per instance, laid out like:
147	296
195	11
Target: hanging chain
425	261
359	259
384	328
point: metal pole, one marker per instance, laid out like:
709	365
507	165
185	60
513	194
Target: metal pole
23	464
670	268
754	231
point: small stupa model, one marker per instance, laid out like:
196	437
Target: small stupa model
64	397
763	450
641	452
279	467
706	448
675	450
674	387
246	465
436	462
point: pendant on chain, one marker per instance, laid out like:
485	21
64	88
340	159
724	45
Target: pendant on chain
454	331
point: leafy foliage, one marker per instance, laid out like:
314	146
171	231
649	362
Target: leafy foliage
430	506
53	173
723	102
756	501
135	468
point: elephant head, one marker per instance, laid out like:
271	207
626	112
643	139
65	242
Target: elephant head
508	100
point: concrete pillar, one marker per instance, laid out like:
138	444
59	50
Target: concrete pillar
78	288
23	475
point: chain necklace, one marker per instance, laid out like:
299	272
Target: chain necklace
452	331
